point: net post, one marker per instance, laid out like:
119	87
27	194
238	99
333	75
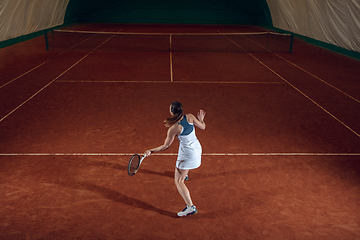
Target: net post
291	43
46	40
267	43
53	40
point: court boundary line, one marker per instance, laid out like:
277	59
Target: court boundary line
171	60
27	100
302	69
309	98
218	33
318	78
20	76
298	90
31	97
273	71
41	64
175	154
205	82
171	68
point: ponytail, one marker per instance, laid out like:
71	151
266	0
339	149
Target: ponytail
177	110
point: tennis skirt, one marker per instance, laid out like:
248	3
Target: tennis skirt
189	156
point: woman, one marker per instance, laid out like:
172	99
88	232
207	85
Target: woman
189	155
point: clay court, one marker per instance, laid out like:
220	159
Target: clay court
281	156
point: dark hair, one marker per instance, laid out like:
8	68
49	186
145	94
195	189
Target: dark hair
177	109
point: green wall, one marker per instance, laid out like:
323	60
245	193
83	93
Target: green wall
170	11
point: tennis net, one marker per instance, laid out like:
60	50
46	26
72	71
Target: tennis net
175	42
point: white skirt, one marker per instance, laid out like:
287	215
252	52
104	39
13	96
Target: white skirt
189	155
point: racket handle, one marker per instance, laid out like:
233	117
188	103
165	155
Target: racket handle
142	158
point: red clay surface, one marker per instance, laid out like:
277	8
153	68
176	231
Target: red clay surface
281	149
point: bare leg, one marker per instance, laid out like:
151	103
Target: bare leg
180	175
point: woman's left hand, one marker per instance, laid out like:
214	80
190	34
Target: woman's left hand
201	115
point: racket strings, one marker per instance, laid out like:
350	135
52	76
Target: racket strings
133	164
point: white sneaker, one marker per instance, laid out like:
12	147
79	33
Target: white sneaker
187	211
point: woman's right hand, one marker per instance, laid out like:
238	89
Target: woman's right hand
147	153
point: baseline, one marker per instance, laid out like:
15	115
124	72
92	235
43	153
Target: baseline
175	154
186	82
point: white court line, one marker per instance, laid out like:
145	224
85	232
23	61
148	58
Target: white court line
204	82
282	154
309	98
302	69
24	74
318	78
40	65
175	154
166	34
301	92
2	119
171	68
171	60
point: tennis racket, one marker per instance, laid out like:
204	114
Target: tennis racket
134	164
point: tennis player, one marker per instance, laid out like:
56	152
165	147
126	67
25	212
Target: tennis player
189	155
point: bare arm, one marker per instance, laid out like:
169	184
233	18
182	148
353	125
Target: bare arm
171	134
199	121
